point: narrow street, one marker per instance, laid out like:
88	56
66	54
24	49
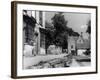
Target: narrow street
32	60
77	64
29	61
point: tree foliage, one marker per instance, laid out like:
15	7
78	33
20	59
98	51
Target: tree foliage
61	35
58	33
89	27
59	22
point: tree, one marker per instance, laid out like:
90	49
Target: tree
60	34
89	31
49	34
59	22
89	27
71	32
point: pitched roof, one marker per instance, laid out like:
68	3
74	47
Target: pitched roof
84	44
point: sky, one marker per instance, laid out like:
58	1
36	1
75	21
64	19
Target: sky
76	21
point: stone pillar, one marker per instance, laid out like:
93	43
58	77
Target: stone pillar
43	19
43	22
37	40
38	37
